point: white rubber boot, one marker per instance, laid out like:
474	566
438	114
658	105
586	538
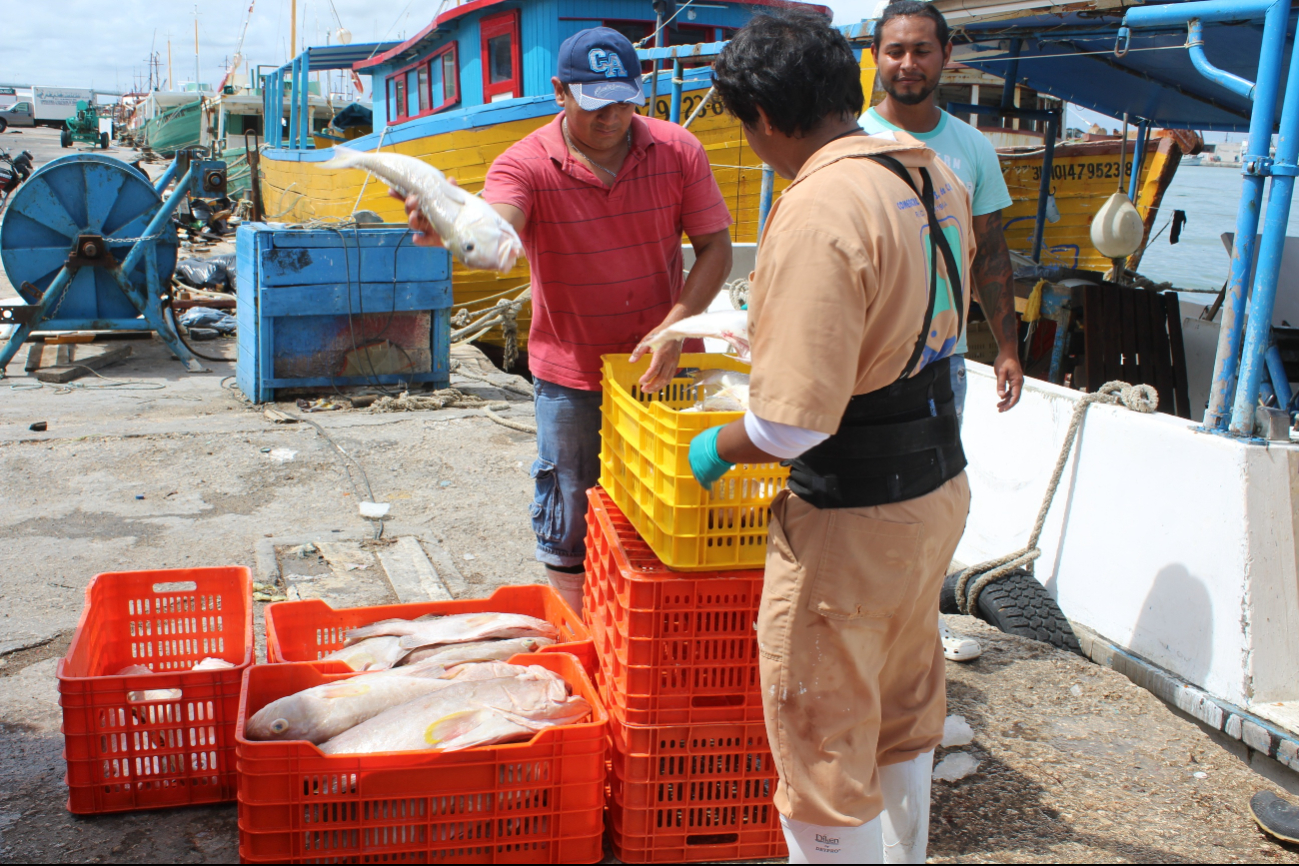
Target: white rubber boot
569	587
810	843
905	822
957	649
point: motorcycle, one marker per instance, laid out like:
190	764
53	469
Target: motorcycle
13	171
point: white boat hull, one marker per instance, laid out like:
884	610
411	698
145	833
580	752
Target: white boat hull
1175	545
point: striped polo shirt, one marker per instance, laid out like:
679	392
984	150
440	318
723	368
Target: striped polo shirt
605	261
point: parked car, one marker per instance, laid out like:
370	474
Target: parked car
18	114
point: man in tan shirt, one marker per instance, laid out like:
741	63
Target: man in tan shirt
854	312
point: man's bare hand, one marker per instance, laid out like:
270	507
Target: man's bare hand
1010	379
425	236
662	368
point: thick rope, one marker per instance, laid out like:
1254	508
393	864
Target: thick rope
972	581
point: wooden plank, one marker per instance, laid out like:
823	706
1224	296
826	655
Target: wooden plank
34	353
1145	343
1111	333
1128	334
1163	359
60	375
1093	345
411	574
1181	386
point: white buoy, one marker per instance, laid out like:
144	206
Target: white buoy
344	36
1117	230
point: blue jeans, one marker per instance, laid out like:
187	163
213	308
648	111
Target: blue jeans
959	386
568	464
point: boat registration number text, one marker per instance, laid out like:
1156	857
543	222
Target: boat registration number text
1076	170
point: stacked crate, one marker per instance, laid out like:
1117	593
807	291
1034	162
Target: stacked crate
673	584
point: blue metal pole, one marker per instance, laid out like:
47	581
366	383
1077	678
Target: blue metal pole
1138	157
1258	331
156	224
1195	45
279	106
765	196
167	177
1276	373
304	111
675	111
1257	149
293	105
1178	14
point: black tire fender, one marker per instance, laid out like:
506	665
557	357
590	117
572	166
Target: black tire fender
1017	604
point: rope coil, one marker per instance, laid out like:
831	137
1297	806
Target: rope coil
973	580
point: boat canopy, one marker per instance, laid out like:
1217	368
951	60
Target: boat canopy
1147	73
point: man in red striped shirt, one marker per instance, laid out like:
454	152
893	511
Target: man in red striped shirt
600	197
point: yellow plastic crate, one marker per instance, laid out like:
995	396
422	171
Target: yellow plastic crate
645	467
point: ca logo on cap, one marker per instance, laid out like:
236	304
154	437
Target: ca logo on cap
605	62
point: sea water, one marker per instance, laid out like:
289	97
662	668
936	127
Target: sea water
1199	261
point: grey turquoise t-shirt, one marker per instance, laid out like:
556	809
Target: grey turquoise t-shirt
970	155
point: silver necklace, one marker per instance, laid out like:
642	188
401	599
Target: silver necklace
568	139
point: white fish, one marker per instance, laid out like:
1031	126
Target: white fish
327	710
212	664
450	716
478	651
457	628
486	726
471	228
729	325
372	654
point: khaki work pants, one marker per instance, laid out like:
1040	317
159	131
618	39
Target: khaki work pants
849	655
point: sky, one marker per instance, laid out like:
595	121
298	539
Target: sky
83	43
80	43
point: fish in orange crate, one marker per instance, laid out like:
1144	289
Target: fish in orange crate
478	651
457	628
468	713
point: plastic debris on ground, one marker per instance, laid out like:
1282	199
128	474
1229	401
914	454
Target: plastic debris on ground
211	272
374	510
955	767
207	317
320	404
283	455
956	732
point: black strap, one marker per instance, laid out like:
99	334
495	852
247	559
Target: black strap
881	441
938	246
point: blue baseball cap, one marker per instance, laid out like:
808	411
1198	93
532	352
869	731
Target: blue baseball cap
600	68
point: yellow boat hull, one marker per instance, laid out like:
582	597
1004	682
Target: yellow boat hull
1085	175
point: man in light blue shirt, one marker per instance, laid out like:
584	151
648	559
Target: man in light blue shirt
911	48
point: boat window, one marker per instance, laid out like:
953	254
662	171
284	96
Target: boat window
397	102
412	93
502	76
423	90
444	78
498	48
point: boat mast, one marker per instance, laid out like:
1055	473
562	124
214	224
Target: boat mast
197	77
293	29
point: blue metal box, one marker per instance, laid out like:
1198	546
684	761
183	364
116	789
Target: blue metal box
316	305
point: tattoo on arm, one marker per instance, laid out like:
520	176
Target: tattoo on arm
994	280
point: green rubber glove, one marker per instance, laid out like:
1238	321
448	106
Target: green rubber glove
705	462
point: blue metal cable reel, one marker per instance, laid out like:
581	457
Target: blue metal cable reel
75	196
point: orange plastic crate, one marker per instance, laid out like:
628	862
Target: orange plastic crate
645	466
692	792
303	631
541	801
673	648
125	754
